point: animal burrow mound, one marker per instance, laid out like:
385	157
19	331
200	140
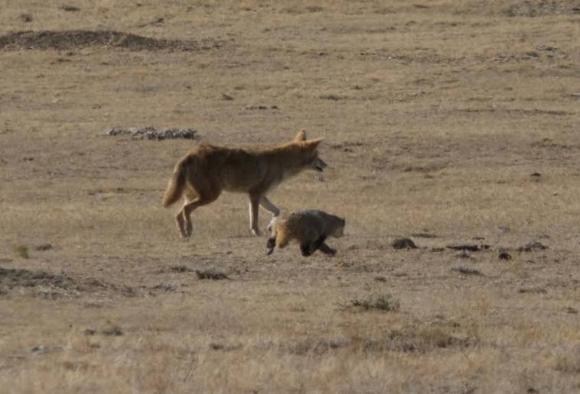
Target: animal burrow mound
11	278
73	39
49	285
152	133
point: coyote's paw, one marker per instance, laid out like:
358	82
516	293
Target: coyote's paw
182	226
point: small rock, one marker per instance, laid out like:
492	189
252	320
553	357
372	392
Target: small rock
468	247
151	133
223	347
112	331
41	349
504	229
38	349
332	97
572	310
533	290
26	18
403	243
178	269
165	287
503	255
216	346
211	274
43	247
70	8
532	246
466	270
423	235
227	97
464	255
380	279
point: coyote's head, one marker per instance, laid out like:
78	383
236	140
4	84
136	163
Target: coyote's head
310	152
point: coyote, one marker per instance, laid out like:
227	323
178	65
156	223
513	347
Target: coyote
207	170
310	228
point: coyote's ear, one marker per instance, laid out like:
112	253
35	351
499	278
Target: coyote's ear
313	144
301	136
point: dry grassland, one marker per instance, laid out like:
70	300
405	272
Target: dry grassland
449	122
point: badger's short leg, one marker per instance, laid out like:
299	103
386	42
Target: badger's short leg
319	244
324	248
306	249
316	244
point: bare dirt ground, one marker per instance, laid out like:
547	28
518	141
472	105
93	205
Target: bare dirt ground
449	122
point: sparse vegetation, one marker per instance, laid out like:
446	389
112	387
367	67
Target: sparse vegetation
178	269
211	273
381	302
22	251
466	270
451	122
569	362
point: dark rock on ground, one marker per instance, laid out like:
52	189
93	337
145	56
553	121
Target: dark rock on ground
404	243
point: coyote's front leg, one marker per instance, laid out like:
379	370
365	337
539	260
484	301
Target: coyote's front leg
274	210
254	205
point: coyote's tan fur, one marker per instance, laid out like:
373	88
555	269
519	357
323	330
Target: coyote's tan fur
207	170
309	228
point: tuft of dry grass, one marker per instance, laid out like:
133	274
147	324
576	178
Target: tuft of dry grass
211	273
381	302
21	251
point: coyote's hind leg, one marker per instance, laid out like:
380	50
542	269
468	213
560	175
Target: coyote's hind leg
184	216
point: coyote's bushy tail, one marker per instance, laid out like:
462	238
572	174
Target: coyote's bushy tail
176	185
